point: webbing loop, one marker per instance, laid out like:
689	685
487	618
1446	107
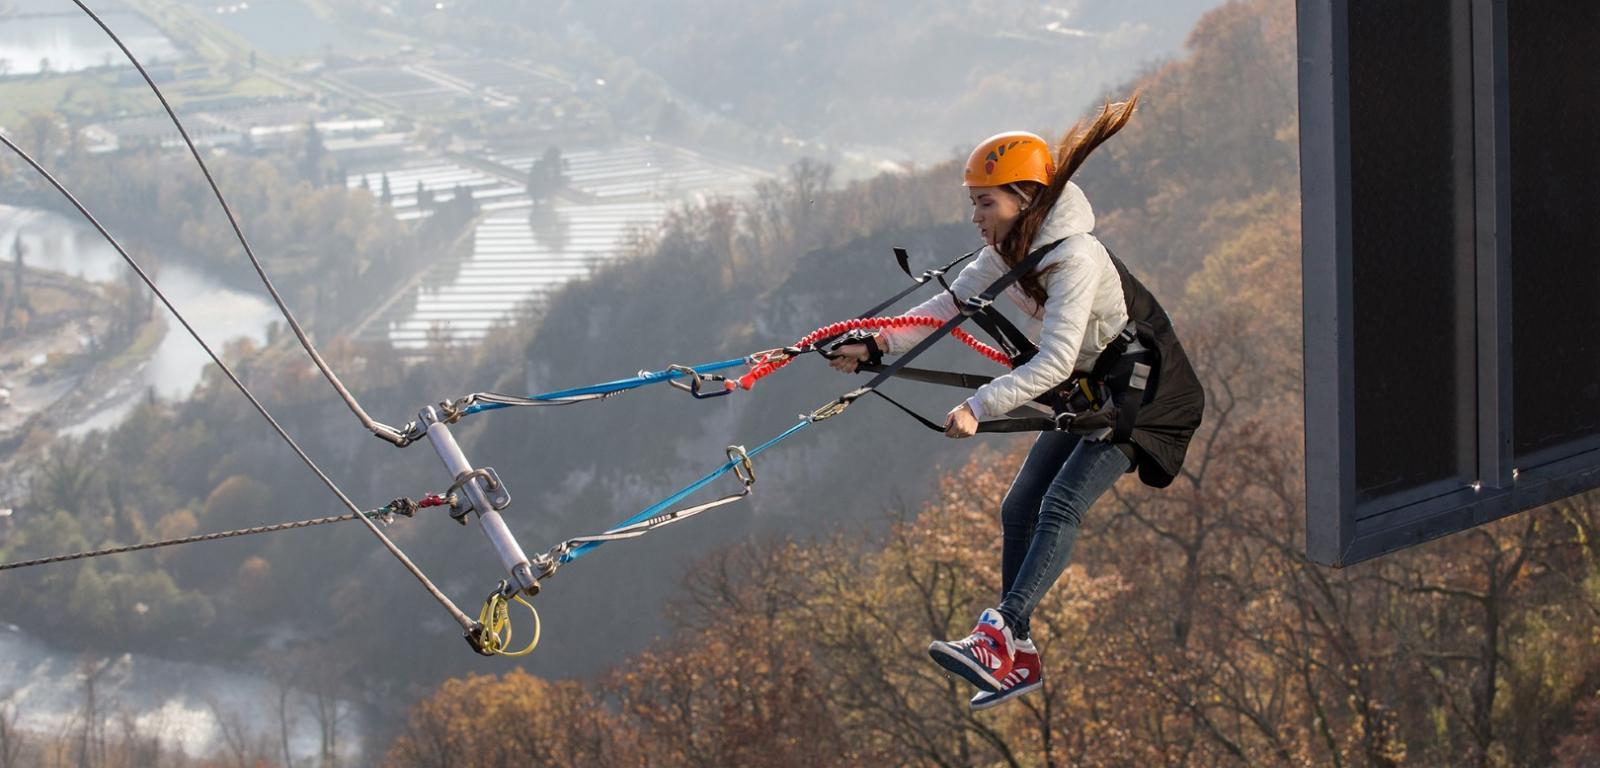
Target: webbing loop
492	634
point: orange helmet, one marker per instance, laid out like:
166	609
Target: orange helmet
1010	157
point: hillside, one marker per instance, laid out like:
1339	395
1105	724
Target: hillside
877	76
1190	630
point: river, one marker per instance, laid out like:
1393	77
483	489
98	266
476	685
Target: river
54	242
187	704
54	36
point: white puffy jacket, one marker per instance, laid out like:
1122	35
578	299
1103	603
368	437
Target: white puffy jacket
1083	310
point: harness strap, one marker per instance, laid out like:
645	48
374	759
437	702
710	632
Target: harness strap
1025	424
1118	412
968	309
1016	344
929	376
903	259
1129	400
1011	340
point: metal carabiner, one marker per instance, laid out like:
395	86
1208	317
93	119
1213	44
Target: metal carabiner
830	410
743	468
696	378
768	356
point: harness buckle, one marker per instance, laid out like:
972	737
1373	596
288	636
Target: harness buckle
1064	421
975	305
1140	377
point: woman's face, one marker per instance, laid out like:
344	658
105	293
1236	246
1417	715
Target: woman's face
994	209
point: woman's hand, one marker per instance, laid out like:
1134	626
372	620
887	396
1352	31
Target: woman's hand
847	357
960	422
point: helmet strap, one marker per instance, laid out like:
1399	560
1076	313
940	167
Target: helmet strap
1018	191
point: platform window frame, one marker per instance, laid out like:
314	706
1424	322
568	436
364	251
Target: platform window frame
1351	518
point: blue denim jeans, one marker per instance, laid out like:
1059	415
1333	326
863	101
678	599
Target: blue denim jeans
1058	482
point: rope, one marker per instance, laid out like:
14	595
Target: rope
771	366
455	613
381	430
385	514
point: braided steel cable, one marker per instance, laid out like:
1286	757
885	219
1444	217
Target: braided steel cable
187	540
465	621
377	428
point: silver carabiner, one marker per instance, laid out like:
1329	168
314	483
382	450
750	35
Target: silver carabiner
743	468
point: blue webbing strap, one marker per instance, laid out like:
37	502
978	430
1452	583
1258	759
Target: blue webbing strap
609	387
661	506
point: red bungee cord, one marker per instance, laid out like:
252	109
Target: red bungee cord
764	369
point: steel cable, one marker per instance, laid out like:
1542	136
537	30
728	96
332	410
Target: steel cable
383	431
455	613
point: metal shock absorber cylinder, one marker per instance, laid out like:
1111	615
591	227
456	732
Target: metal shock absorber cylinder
486	501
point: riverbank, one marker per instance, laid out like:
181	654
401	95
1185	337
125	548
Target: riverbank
95	344
63	338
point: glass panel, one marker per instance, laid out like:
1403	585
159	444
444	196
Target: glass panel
1555	221
1411	198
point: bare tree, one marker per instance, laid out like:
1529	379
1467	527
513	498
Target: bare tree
11	741
90	748
245	749
285	722
137	748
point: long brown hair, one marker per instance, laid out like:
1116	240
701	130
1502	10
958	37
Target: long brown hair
1074	148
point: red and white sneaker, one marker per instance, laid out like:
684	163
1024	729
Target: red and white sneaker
982	658
1027	674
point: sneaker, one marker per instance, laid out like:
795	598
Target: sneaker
1027	674
982	658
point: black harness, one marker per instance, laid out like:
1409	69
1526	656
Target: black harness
1107	397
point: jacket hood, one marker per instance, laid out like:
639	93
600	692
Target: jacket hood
1070	216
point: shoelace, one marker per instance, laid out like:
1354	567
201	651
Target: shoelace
983	647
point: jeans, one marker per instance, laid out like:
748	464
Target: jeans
1058	482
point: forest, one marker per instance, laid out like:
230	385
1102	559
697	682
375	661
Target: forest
1190	629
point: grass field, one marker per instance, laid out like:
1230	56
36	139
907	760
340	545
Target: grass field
87	96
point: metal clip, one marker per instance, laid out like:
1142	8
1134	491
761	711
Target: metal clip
695	380
477	636
744	469
494	490
546	564
975	305
768	356
403	436
1064	421
830	410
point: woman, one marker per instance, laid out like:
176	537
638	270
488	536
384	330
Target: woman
1076	304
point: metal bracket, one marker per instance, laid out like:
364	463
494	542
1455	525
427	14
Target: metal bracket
483	492
494	490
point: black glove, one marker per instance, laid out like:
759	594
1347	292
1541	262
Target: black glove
858	336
